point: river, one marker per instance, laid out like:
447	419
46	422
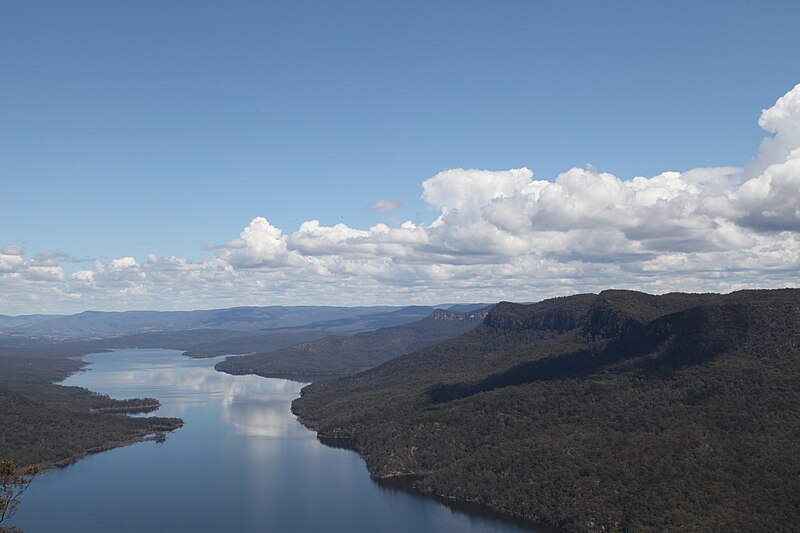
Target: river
241	463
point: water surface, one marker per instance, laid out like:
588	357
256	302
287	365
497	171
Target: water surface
241	463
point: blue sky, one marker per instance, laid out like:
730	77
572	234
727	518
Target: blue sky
136	128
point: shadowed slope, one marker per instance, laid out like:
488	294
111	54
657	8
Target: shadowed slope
617	411
339	355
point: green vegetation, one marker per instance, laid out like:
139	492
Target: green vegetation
252	343
13	483
342	355
43	423
46	424
613	412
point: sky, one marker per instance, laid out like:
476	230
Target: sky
183	155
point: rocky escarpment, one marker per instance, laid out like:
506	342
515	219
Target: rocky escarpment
445	315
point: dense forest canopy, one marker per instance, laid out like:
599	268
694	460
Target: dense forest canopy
609	412
47	424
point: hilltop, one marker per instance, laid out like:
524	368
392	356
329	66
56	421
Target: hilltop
617	411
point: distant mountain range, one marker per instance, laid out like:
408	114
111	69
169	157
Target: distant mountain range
338	355
45	423
617	411
23	321
271	319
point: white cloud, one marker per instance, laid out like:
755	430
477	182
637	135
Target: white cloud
122	263
385	205
13	249
466	192
771	200
260	245
11	258
782	120
54	257
87	276
497	235
10	262
45	273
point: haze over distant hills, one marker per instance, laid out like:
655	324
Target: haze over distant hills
238	319
339	355
42	349
244	330
23	321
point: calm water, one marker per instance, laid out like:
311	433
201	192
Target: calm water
241	462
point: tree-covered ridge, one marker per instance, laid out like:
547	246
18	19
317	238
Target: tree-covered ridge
618	411
43	423
337	355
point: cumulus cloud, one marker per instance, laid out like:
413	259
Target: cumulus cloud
45	273
497	235
769	199
11	259
466	192
86	276
782	121
385	205
260	244
122	263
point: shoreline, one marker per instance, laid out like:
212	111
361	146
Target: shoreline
396	481
123	409
401	481
299	377
145	436
155	434
406	482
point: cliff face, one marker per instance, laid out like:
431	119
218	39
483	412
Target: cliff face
445	315
616	411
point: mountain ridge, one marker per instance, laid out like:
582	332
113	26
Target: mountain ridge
608	412
335	355
101	324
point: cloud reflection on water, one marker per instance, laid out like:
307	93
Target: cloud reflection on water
252	405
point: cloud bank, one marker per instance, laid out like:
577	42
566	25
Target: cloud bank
498	235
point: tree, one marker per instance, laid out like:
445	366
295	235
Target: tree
13	482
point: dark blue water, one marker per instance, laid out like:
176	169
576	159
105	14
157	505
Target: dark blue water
241	462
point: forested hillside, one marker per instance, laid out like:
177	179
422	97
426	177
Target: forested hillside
104	324
43	423
613	412
339	355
